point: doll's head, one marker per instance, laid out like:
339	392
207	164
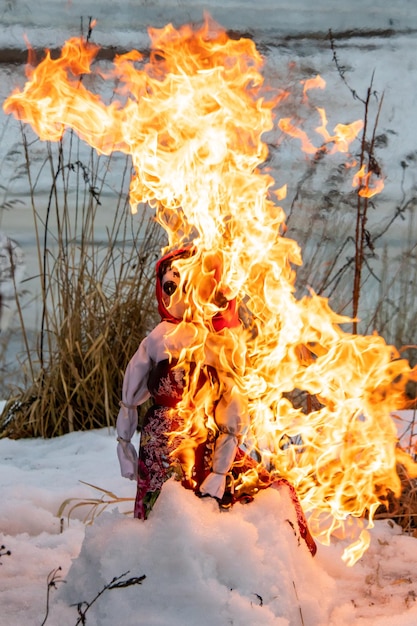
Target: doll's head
170	296
205	278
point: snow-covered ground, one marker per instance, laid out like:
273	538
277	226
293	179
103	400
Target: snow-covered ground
50	21
244	567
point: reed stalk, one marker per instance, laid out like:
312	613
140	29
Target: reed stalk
96	296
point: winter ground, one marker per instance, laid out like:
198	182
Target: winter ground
244	567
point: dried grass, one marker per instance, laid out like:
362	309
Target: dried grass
97	298
402	509
95	506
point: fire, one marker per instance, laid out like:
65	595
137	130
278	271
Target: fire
361	180
340	141
313	83
192	116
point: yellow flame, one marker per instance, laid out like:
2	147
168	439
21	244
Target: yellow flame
313	83
361	180
343	136
192	116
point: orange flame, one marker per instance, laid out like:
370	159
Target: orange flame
344	133
341	140
192	118
313	83
285	124
361	180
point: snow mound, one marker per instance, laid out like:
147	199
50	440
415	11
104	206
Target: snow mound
198	561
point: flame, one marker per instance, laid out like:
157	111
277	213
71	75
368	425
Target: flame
313	83
192	116
344	133
343	136
340	141
361	180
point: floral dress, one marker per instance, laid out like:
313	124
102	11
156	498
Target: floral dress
156	463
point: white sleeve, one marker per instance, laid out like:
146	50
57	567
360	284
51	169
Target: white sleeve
231	416
135	392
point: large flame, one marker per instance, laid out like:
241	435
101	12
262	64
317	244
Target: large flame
192	117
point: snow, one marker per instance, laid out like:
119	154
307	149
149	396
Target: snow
201	566
53	21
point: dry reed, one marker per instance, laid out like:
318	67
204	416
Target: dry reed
97	297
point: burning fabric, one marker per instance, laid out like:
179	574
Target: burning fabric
207	459
192	116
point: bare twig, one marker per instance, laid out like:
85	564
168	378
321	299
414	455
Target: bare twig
4	552
54	577
299	605
116	583
341	69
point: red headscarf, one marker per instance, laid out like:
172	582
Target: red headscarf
228	318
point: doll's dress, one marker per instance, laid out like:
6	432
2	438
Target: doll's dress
156	466
165	385
155	463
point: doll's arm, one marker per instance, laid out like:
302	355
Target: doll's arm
135	392
232	418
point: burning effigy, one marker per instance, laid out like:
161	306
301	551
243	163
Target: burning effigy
207	458
191	115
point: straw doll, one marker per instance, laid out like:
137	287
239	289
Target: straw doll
153	373
207	459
